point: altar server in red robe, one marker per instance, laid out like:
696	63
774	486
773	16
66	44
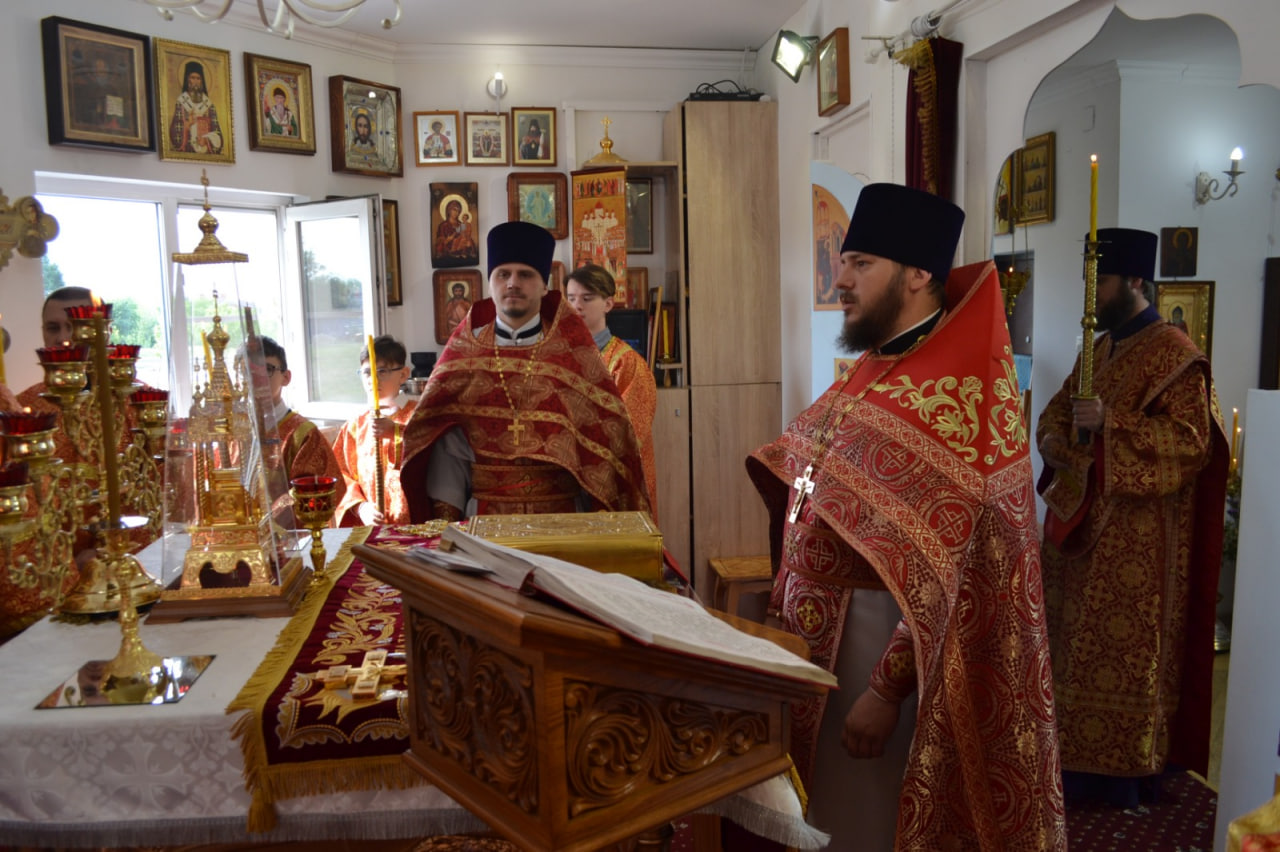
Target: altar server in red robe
366	435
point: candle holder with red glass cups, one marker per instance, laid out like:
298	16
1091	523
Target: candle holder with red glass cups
38	542
99	591
313	506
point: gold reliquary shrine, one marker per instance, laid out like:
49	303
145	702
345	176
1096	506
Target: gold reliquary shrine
229	530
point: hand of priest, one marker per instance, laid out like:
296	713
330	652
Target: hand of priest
869	725
369	514
1088	414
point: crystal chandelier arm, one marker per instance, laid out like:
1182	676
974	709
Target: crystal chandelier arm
165	7
304	9
280	22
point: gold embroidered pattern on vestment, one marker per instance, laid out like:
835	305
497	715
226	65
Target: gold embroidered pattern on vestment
949	406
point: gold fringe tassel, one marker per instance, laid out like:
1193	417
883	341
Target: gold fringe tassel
260	779
919	58
803	795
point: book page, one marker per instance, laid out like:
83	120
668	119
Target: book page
646	614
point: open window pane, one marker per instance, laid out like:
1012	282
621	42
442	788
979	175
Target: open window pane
112	246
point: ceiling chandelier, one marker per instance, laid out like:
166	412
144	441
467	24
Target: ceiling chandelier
334	13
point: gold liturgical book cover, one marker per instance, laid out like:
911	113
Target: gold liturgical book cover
612	542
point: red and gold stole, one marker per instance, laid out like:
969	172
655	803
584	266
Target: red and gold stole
568	405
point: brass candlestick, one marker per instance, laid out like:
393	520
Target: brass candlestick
313	506
66	378
115	582
136	674
15	526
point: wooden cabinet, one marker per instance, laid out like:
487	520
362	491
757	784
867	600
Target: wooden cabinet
722	272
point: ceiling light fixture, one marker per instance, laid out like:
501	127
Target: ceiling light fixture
333	13
792	52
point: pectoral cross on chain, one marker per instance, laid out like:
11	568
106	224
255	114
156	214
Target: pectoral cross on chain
804	486
517	428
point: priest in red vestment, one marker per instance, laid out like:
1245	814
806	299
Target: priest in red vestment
903	527
365	437
520	414
1133	541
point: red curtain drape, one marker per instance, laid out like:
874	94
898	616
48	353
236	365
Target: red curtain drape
932	101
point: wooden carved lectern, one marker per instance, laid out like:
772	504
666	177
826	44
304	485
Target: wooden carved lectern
558	732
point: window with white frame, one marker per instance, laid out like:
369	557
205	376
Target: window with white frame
116	238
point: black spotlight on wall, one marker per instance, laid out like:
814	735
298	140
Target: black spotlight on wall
792	52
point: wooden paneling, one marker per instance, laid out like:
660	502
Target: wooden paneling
729	421
671	456
731	183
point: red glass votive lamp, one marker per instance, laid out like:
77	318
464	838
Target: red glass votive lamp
14	473
66	368
82	317
313	498
28	437
26	422
313	484
122	361
13	493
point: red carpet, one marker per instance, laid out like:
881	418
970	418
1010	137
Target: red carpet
1182	821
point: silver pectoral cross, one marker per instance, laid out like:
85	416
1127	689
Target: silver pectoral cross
803	486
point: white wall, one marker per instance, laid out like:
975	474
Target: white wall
1175	125
633	87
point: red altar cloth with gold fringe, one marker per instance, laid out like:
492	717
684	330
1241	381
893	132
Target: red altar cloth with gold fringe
300	739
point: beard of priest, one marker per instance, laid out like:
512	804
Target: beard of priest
520	415
904	538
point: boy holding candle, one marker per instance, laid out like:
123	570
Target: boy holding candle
304	451
378	432
1133	539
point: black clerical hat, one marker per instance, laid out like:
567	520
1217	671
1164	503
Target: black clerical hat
522	242
1126	251
910	226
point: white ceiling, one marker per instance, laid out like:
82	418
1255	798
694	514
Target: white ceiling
690	24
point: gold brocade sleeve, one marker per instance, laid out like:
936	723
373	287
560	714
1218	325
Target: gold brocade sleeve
894	677
1054	435
346	451
640	395
1158	450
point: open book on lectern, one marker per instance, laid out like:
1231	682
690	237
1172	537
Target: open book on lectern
647	615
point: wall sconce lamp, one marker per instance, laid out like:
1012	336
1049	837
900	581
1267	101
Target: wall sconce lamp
1206	186
496	87
792	52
